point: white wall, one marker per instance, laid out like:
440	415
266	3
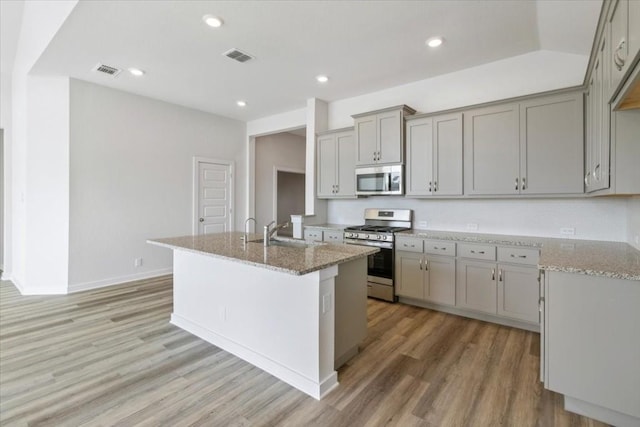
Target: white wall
131	179
47	186
633	221
593	219
283	150
520	75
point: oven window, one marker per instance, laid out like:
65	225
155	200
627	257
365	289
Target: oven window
381	264
371	181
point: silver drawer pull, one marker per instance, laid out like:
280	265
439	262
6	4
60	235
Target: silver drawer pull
519	256
479	252
442	249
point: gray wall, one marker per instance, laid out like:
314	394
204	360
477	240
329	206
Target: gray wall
131	179
281	150
290	197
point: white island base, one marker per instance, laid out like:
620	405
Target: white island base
282	323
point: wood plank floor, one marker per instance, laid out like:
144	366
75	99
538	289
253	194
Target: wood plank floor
110	357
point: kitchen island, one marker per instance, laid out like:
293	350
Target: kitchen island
296	310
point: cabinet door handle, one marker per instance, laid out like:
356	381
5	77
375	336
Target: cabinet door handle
519	256
516	183
479	252
429	186
493	274
442	249
500	275
435	186
524	183
426	265
420	263
337	188
618	60
586	179
596	172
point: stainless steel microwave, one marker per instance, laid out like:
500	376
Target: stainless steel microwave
379	180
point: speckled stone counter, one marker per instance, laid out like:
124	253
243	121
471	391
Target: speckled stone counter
292	260
333	227
597	258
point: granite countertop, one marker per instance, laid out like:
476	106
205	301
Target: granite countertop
292	260
336	227
617	260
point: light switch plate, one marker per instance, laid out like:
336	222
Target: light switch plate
568	231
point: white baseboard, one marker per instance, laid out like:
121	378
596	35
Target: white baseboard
313	388
33	290
77	287
600	413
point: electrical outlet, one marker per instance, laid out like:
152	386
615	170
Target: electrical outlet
422	224
326	303
472	226
137	262
568	231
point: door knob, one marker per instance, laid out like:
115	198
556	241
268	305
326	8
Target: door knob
201	219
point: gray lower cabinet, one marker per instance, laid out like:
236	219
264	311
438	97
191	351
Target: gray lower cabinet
426	277
500	281
336	164
316	234
476	286
313	234
591	345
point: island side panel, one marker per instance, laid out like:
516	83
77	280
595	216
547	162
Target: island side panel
271	319
351	309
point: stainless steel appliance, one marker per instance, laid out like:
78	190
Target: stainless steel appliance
380	180
378	230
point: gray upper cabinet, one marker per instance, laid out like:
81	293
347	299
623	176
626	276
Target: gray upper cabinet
434	156
491	150
336	164
534	147
380	136
598	143
618	59
552	145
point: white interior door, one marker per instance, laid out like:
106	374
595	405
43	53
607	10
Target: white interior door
214	205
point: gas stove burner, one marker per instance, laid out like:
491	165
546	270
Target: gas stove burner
377	228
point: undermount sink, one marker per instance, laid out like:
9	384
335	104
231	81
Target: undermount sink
286	243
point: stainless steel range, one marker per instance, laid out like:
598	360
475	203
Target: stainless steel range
378	230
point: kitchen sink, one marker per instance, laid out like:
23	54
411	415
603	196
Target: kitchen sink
286	243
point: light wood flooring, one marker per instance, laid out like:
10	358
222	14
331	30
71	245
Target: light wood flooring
110	357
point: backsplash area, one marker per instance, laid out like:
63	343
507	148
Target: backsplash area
592	219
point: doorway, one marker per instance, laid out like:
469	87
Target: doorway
288	195
213	196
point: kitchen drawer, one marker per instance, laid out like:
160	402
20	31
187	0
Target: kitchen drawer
313	234
438	247
333	236
485	252
528	256
410	244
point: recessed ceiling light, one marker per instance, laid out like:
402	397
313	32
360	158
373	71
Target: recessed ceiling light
434	41
241	103
212	21
136	72
322	79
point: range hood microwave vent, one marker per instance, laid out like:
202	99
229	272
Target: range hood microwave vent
106	69
238	55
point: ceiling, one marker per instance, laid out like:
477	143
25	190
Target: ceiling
363	46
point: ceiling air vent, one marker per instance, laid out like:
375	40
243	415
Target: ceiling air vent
238	55
111	71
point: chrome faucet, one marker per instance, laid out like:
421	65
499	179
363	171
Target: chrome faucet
246	233
268	231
